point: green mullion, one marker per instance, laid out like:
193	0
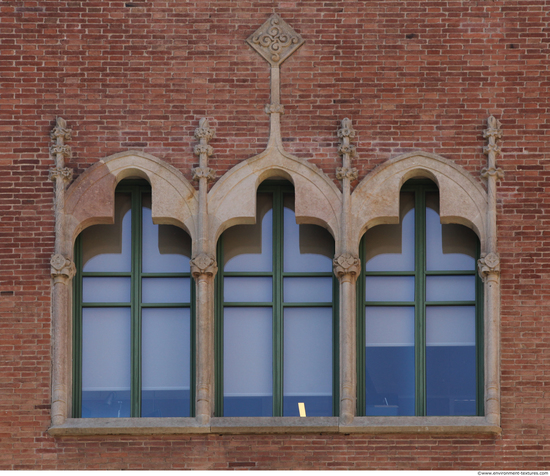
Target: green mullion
420	311
77	332
135	393
360	338
278	320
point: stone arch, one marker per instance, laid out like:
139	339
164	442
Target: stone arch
90	199
376	199
232	200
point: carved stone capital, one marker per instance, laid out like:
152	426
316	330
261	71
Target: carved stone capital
203	149
492	148
61	149
346	173
274	108
347	266
347	129
204	131
204	172
347	149
275	40
498	172
60	130
62	269
65	174
489	264
203	264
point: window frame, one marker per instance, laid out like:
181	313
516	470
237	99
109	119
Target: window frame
278	189
419	187
136	189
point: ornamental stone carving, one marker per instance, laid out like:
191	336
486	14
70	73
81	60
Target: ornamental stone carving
347	265
64	173
346	173
60	130
203	149
204	172
62	269
493	171
489	264
204	131
65	150
347	149
203	264
275	40
274	108
347	129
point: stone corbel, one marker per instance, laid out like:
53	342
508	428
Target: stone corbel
489	265
204	172
65	174
62	269
349	173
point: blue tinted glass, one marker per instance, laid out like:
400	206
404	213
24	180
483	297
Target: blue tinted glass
105	404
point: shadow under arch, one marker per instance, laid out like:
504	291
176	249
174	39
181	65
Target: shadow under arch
462	199
232	200
90	199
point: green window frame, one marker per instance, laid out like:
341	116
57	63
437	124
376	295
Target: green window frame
419	188
278	189
136	189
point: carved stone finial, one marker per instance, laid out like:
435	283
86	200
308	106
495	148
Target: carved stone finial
62	269
204	131
347	266
275	40
493	133
60	130
347	129
204	172
489	264
203	264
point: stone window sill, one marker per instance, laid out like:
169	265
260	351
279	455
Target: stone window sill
270	425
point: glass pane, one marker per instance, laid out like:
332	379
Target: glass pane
108	247
165	360
105	362
389	288
106	289
391	247
450	288
389	359
157	290
249	247
307	248
448	247
166	248
450	360
248	362
308	289
308	361
247	289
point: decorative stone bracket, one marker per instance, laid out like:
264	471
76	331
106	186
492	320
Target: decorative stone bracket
488	265
203	264
62	269
347	266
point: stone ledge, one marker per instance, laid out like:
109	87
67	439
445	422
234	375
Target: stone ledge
274	425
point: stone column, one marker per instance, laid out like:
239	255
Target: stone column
489	270
347	267
204	269
62	271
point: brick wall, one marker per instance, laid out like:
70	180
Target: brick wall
412	75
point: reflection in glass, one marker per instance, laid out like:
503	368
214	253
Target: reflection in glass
389	360
106	289
108	247
166	366
248	247
308	361
450	288
307	248
163	290
105	362
450	360
248	289
448	247
166	248
391	247
248	362
308	289
389	288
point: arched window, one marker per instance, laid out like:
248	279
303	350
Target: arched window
133	323
419	314
276	328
